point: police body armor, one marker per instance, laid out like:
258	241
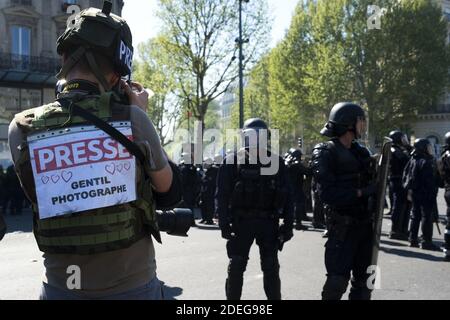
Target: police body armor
352	170
98	230
397	164
255	195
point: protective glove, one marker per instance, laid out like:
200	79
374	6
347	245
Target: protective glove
227	232
286	232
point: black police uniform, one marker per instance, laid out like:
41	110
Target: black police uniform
420	173
296	174
208	191
399	204
339	173
250	205
14	191
445	175
191	184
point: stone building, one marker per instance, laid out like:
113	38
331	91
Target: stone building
28	59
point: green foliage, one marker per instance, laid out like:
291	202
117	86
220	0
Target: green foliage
329	55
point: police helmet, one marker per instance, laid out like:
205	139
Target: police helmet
98	31
251	130
343	117
399	138
423	146
447	138
296	153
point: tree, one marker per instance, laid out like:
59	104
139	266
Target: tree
199	37
330	55
152	71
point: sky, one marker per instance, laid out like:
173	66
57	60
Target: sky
145	25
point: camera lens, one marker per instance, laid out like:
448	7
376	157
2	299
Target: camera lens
176	222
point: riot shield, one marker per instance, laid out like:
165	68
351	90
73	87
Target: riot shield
382	171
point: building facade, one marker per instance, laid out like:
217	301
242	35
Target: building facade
28	59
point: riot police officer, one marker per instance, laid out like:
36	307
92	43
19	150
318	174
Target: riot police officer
250	204
110	189
444	166
399	159
191	181
420	181
296	173
342	168
208	191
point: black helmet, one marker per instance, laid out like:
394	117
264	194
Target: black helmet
256	124
399	138
423	146
97	31
296	153
447	138
251	127
343	117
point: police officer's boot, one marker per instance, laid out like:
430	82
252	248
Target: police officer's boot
413	234
235	280
334	288
427	230
359	290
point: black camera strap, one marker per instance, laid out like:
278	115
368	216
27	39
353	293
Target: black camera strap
104	126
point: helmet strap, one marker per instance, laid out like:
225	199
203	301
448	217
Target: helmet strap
70	63
75	58
104	85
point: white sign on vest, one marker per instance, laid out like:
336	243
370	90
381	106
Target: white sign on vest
81	168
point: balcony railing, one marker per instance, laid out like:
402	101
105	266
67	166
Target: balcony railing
29	64
21	2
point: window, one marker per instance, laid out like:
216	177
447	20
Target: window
21	41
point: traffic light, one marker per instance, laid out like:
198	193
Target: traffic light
300	143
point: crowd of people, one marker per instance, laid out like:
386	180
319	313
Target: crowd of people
12	198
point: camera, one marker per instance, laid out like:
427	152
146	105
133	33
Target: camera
176	222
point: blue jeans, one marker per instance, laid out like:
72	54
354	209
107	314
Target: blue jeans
151	291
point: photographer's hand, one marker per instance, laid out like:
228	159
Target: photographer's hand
137	95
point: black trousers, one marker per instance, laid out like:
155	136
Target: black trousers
348	252
399	207
265	232
422	214
207	208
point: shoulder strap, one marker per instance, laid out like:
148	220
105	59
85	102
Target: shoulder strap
104	126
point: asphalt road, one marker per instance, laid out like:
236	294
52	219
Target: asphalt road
194	268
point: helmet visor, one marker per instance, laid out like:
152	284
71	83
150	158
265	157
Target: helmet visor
405	141
361	128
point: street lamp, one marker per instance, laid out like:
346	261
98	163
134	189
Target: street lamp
241	67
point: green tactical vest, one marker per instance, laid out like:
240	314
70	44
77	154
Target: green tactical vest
94	231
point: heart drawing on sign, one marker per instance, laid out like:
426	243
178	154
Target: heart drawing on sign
119	167
55	178
127	166
67	176
111	169
45	179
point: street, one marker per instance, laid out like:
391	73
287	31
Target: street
194	268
